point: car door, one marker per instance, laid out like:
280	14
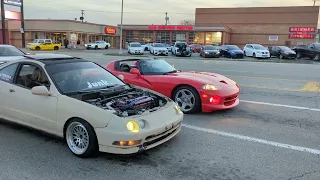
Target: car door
310	53
39	111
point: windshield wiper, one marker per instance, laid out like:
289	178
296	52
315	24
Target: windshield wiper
173	71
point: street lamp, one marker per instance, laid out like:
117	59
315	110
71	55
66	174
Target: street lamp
120	52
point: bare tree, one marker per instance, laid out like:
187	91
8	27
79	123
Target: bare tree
187	22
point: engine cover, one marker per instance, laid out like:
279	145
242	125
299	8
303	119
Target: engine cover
143	102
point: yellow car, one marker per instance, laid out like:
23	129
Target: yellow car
45	46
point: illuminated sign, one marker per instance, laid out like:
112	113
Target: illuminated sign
302	32
170	27
301	36
110	30
13	2
12	15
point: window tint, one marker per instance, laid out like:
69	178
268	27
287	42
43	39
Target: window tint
31	76
41	41
7	73
48	41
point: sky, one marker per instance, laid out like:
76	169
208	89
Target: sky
136	11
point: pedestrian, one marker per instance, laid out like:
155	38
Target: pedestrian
78	44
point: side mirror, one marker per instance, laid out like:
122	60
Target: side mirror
121	77
40	90
135	71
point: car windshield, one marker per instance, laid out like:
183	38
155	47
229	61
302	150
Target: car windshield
210	48
259	47
135	45
159	45
81	76
10	51
155	67
233	47
35	41
181	44
284	48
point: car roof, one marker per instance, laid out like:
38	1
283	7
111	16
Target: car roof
6	45
52	58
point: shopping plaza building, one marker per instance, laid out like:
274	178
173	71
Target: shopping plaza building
264	25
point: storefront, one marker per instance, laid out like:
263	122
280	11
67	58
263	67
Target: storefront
171	33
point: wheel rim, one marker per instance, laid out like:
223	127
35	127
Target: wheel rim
77	138
185	99
281	56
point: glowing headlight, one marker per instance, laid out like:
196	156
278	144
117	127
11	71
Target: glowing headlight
133	126
210	87
206	52
218	52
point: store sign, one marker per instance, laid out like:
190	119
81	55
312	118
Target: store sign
273	38
110	30
172	28
12	15
302	32
13	2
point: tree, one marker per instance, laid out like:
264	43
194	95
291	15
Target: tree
187	22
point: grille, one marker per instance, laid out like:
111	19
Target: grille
230	100
158	137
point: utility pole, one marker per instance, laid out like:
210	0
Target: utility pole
314	2
22	25
120	51
167	18
82	13
3	22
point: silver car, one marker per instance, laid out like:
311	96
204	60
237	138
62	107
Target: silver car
9	53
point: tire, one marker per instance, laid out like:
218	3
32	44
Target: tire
280	56
96	47
38	48
194	99
107	47
254	55
316	58
91	149
298	55
145	49
244	53
56	48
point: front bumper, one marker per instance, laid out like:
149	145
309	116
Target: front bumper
150	137
161	53
136	52
260	55
237	56
229	98
212	55
289	56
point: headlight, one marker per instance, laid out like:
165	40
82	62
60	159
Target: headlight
218	52
133	126
210	87
206	52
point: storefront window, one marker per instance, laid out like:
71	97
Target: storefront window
213	37
191	37
198	38
163	37
139	36
178	36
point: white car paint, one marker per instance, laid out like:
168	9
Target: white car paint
256	50
98	45
49	110
135	48
159	49
10	53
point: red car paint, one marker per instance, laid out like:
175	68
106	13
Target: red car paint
225	98
196	47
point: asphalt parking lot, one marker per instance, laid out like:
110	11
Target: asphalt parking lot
273	134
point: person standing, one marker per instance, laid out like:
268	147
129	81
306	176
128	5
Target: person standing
78	44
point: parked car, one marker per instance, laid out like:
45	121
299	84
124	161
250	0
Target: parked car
169	47
85	104
210	51
282	52
147	47
135	48
45	46
159	49
9	53
196	48
98	45
181	49
192	91
256	51
311	51
231	51
39	41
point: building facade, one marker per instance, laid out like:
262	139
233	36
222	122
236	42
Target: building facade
58	30
169	34
266	25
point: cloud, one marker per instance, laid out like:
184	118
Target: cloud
137	11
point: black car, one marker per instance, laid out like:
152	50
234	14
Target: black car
282	52
311	51
210	51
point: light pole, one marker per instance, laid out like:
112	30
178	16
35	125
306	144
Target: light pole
3	21
120	52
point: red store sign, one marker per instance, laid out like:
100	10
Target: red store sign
302	32
172	28
110	30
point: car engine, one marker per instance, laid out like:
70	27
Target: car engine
129	103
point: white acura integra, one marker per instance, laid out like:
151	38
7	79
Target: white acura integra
86	104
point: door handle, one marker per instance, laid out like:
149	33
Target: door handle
11	90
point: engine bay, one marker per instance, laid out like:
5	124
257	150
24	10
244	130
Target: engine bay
126	103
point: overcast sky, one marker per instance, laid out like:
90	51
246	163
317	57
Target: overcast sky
136	11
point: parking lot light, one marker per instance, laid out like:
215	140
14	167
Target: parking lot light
120	51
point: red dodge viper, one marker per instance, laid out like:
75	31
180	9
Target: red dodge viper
192	91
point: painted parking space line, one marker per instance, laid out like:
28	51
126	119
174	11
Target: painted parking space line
281	105
252	139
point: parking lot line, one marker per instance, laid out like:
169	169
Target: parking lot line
272	88
269	78
281	105
311	87
252	139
